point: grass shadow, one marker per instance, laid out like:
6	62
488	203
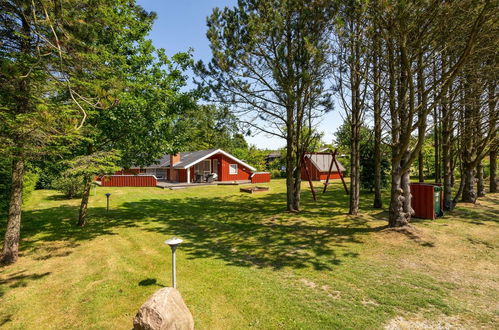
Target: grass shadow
150	282
242	230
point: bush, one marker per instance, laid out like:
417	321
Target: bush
276	174
29	183
346	163
70	186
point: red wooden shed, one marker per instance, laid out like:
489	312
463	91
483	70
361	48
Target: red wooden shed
318	167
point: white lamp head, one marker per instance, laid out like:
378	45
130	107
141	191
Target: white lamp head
173	242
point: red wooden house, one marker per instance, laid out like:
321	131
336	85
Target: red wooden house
189	166
318	167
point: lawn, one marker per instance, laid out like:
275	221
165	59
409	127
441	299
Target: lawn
246	263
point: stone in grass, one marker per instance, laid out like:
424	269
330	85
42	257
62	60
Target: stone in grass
165	309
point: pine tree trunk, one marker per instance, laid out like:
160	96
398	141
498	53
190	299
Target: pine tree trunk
469	193
297	191
437	148
480	188
82	218
405	185
420	167
378	202
355	123
397	216
290	164
446	160
354	170
447	126
493	171
10	251
297	181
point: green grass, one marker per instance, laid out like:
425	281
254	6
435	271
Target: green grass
246	263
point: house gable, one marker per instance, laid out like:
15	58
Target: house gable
205	155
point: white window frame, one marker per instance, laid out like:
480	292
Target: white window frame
232	170
209	162
202	163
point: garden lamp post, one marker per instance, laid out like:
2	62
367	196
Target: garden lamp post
107	195
173	243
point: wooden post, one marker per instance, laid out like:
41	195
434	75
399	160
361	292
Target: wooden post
341	175
308	177
329	172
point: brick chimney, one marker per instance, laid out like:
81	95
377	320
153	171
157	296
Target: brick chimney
174	159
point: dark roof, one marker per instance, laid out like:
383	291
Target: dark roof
274	154
162	162
322	161
187	158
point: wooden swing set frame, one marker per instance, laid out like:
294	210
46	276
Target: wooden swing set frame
333	161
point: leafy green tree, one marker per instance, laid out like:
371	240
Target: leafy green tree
88	166
208	127
141	126
270	65
40	49
367	163
75	75
252	155
367	155
29	183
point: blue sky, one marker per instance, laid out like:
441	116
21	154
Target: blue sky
181	24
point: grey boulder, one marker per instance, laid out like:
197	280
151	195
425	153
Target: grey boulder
165	309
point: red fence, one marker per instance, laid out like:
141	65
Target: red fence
260	177
129	181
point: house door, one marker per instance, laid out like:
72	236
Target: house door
215	166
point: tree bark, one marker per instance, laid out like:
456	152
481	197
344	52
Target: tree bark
82	217
480	188
469	193
398	217
447	168
354	167
493	171
355	119
378	203
290	164
436	136
420	167
447	154
10	252
354	177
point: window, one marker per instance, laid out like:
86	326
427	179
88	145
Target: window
203	167
233	169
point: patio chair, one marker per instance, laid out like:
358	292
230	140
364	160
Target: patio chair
210	178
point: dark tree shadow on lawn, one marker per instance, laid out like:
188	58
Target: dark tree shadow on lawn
150	282
18	279
242	230
253	231
4	319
